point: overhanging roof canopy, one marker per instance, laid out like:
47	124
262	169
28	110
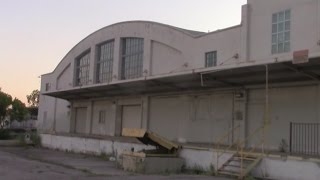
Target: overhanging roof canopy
228	78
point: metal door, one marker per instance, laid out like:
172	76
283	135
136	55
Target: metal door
81	118
131	116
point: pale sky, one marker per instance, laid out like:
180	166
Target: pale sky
36	34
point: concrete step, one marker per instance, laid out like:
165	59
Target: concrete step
229	173
245	158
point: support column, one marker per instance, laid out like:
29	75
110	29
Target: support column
72	118
240	114
147	57
54	115
118	123
89	117
92	64
318	10
145	112
245	34
114	118
117	60
318	103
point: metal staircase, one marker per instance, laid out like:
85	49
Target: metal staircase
239	165
242	162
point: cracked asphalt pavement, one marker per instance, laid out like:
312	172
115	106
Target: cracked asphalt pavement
23	163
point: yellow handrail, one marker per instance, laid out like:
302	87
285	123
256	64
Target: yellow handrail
221	140
239	144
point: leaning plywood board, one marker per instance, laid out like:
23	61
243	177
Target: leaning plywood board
147	137
131	132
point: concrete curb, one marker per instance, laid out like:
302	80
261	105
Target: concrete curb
13	142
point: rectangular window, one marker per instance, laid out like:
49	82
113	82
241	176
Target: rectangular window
281	27
105	62
211	59
82	69
132	58
102	116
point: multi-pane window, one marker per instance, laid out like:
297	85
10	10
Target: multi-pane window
82	69
132	58
211	59
281	27
105	62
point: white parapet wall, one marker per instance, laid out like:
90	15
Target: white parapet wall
88	145
288	168
271	167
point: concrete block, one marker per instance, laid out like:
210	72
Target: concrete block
106	147
65	143
119	147
197	158
152	165
92	146
204	159
78	145
56	142
46	140
287	169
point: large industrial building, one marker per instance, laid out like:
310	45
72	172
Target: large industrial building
256	83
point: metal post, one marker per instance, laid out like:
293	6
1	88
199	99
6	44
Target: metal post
267	96
266	113
290	144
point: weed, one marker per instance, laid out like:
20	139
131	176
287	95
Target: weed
4	134
22	140
104	156
35	139
197	170
249	178
283	146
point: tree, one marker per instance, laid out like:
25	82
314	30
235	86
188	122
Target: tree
5	102
33	98
18	111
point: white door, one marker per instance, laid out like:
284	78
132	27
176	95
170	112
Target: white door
131	116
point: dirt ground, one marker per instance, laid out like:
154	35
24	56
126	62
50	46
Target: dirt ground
22	163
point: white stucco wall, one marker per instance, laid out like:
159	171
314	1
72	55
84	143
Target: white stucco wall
287	104
304	27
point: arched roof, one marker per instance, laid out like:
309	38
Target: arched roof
190	33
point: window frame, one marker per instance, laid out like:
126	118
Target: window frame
102	76
281	31
214	59
79	67
131	66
